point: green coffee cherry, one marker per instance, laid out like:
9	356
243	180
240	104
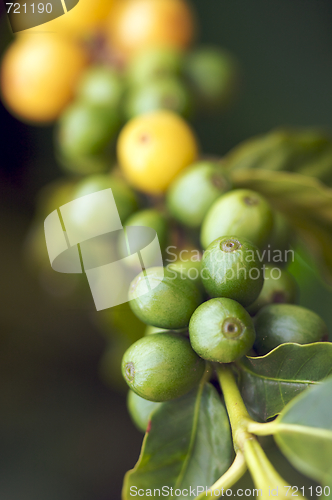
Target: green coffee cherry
140	410
231	268
277	324
86	129
162	93
101	85
125	198
153	218
164	298
279	287
161	367
154	63
195	190
214	76
85	164
86	216
191	269
221	330
146	218
242	212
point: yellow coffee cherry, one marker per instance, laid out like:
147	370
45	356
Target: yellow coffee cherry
153	148
80	22
39	74
137	24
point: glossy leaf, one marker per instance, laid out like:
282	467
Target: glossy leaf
269	382
306	203
188	444
306	151
303	432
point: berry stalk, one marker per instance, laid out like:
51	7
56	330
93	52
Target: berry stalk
247	447
227	480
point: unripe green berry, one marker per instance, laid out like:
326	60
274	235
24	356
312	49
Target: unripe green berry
85	165
161	367
139	240
214	76
161	93
277	324
194	191
221	330
163	297
279	287
191	269
153	218
101	85
86	129
231	268
152	63
140	410
242	212
124	197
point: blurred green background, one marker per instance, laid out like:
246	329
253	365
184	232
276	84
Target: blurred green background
63	433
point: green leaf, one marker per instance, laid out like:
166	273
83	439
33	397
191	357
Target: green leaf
303	432
306	203
269	382
305	151
188	444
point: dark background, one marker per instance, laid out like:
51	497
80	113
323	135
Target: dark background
63	433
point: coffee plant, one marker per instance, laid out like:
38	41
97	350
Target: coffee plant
219	358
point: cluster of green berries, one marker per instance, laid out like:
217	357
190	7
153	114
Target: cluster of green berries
240	303
159	78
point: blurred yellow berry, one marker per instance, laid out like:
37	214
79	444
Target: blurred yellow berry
137	24
80	22
153	148
39	74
